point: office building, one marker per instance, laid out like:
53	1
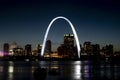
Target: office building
48	46
6	49
67	49
87	48
69	40
18	52
28	50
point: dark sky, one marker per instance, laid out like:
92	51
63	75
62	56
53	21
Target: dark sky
25	21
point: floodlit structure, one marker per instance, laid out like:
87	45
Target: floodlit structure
73	29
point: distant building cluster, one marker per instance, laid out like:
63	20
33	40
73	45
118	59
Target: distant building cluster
94	50
14	50
90	49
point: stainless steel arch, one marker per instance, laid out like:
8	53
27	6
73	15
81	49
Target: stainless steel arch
73	29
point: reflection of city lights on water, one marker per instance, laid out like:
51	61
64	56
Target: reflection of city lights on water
77	72
54	67
10	70
86	69
33	68
10	76
1	68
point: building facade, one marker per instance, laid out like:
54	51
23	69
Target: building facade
28	50
48	46
6	49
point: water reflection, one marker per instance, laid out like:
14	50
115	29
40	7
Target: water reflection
1	69
68	70
77	69
10	70
86	70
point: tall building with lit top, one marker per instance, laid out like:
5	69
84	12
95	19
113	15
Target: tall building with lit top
67	49
69	40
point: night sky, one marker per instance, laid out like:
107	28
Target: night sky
25	21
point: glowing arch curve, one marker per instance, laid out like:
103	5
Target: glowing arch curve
73	29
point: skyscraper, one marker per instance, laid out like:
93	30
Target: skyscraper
69	39
39	48
67	49
18	52
6	48
48	46
28	50
88	47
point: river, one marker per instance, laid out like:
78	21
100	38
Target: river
67	70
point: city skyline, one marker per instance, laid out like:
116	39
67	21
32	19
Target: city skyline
65	50
26	22
11	46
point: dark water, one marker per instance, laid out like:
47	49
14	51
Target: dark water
68	70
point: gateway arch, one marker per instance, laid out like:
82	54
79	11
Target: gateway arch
73	30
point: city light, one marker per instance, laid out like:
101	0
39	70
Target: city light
77	70
73	29
1	54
